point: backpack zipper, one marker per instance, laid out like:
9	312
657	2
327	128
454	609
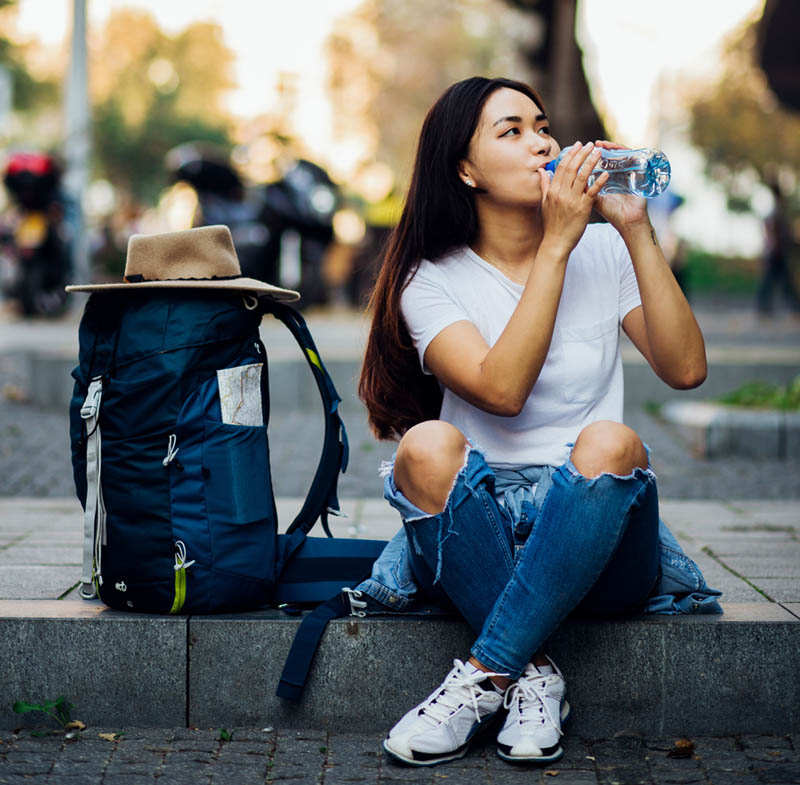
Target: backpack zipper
181	565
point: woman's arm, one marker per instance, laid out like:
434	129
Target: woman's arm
500	379
664	328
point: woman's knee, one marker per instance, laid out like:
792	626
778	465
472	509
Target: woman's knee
606	446
429	457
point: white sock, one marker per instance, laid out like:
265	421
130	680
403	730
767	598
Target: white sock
545	670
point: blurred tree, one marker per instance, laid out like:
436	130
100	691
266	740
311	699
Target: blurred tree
556	62
29	92
743	131
152	91
391	59
777	48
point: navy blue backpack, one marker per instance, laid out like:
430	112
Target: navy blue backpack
170	453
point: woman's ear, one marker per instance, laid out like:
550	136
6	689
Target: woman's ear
466	177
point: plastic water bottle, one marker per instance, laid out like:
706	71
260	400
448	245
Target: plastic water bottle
643	172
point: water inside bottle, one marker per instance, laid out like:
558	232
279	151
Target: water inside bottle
623	178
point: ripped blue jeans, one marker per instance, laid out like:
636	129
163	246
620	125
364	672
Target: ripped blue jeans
516	569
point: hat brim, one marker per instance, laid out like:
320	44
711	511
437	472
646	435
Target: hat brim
250	285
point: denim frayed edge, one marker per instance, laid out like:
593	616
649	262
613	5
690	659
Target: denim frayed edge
447	512
637	473
387	469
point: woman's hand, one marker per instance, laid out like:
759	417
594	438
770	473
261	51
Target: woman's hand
567	202
620	210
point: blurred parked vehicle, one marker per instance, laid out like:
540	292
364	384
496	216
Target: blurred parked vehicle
34	235
281	230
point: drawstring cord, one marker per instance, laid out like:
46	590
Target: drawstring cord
180	556
172	450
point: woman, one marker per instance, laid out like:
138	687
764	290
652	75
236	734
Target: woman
494	355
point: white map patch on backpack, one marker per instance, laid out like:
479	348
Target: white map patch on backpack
240	394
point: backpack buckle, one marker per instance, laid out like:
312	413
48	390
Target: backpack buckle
93	396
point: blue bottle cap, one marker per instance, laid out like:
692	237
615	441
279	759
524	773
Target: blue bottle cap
550	166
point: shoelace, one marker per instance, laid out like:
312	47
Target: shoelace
533	690
458	688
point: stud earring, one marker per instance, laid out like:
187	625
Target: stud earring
470	183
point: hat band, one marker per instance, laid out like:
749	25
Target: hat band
136	278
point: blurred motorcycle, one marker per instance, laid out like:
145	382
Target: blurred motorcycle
34	238
281	230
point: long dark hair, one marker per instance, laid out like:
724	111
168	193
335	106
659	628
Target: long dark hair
439	215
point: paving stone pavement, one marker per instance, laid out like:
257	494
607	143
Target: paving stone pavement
35	457
263	756
34	442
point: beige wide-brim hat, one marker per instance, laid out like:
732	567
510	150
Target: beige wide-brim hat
202	258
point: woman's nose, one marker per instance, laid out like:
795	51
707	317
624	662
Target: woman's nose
540	145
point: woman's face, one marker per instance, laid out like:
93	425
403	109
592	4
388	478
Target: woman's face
511	142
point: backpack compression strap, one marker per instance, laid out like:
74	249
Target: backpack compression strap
322	498
305	643
94	517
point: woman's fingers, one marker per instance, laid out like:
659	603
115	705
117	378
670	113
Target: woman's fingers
598	183
606	145
545	181
578	164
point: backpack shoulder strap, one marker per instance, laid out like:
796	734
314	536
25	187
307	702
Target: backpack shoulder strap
322	497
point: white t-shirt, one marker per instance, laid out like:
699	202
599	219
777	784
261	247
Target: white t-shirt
581	380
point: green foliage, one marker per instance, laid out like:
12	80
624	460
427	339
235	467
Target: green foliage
59	709
133	157
28	92
760	395
741	128
707	272
226	735
152	91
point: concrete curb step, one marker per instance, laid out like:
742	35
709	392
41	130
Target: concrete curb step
717	431
49	383
712	675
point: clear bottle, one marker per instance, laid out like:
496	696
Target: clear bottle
644	172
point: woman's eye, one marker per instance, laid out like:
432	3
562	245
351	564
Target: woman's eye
510	132
545	129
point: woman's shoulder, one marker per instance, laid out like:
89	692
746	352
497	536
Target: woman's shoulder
440	268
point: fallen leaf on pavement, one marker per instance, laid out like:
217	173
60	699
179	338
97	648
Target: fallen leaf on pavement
683	749
551	773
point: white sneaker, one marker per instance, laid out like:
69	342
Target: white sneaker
443	725
536	709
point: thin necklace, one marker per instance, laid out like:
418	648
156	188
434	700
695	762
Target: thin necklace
501	266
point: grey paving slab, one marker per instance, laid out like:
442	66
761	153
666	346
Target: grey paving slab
734	589
764	566
18	581
779	589
728	545
698	512
793	607
41	555
771	512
